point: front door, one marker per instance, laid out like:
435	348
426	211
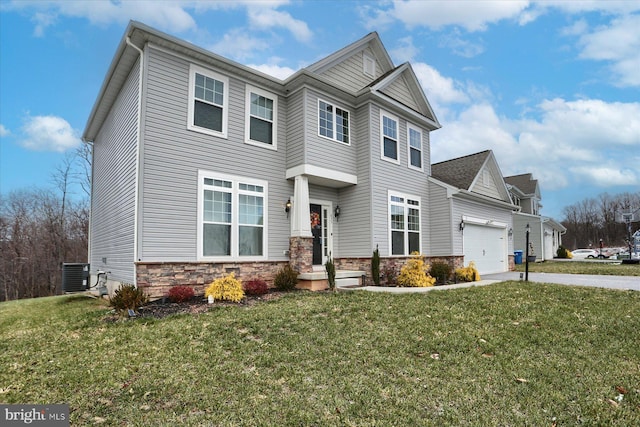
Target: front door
321	230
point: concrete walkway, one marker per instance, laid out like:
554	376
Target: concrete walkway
609	282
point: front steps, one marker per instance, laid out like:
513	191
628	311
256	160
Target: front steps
317	280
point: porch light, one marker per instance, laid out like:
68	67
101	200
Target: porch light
461	226
510	232
287	207
336	212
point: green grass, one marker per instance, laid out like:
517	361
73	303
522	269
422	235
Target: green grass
582	267
505	354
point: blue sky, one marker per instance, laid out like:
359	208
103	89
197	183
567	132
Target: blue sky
552	87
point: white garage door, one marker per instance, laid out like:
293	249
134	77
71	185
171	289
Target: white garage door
486	246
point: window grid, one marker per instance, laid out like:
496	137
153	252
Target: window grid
333	122
404	225
389	138
209	90
415	148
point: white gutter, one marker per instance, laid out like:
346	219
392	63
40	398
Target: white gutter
137	172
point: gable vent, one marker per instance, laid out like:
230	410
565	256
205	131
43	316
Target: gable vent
368	65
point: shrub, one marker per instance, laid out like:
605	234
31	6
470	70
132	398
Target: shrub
414	273
286	278
375	267
441	271
468	274
128	297
180	293
256	287
564	253
390	274
226	288
331	273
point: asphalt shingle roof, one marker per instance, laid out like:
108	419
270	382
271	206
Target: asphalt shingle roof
460	172
524	182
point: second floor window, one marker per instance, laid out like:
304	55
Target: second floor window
261	117
333	122
389	131
415	147
208	101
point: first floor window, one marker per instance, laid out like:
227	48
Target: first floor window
232	216
389	131
404	220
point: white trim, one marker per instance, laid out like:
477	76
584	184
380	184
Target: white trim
481	221
407	206
317	171
392	117
334	130
235	191
247	129
328	205
410	127
193	69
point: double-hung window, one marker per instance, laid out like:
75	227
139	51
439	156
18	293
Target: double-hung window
232	217
414	147
404	224
333	122
208	101
389	137
261	124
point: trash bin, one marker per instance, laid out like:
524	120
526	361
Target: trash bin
517	256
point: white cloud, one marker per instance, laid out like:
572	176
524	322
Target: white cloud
460	46
265	18
274	70
473	16
4	131
49	133
619	44
604	176
440	90
405	51
238	44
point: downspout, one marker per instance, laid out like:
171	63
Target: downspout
137	172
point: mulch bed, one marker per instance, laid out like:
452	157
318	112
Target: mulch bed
161	308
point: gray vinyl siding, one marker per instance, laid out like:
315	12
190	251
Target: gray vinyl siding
349	74
113	188
296	129
440	221
174	154
399	90
477	210
354	238
490	189
396	177
324	152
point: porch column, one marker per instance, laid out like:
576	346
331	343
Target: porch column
300	220
301	240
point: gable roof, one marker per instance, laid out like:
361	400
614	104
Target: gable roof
525	183
462	171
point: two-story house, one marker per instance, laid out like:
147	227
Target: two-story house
545	235
203	166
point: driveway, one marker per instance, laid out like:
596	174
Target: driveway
609	282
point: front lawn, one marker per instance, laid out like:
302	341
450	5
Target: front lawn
505	354
582	267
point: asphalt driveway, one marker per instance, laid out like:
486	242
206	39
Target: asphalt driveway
610	282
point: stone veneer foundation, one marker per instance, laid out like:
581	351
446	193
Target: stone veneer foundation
157	278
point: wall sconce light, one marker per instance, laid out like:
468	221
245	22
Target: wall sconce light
461	226
336	212
287	207
510	232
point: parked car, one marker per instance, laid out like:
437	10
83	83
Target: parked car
625	255
585	253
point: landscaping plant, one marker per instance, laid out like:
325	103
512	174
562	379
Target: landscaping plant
441	271
468	274
375	267
128	297
331	273
256	287
180	293
226	288
286	278
414	273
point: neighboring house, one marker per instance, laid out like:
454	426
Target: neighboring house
203	166
471	212
545	234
